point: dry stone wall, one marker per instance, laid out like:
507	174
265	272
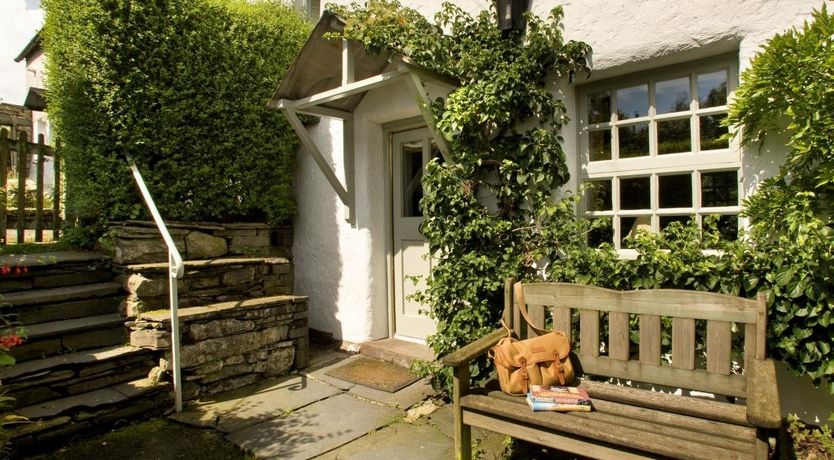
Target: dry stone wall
228	345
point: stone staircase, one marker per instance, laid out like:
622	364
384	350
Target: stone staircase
74	373
97	346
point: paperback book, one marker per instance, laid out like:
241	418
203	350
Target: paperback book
558	399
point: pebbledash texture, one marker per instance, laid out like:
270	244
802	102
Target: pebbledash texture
228	345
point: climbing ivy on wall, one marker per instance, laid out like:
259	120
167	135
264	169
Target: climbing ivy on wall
490	213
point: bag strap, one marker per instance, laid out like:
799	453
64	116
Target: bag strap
522	306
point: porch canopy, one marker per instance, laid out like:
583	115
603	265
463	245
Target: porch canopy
330	78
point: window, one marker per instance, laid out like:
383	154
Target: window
654	151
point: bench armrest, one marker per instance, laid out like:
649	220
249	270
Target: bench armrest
474	349
763	409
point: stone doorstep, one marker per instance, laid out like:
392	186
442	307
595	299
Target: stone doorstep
104	396
395	351
63	327
209	263
61	294
210	311
30	368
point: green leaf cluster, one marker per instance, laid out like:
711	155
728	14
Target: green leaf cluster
182	87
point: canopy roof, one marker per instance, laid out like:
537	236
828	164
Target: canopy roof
317	68
36	99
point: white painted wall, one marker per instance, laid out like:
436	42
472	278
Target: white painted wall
342	267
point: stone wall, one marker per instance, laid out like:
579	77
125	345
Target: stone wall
138	242
229	345
205	282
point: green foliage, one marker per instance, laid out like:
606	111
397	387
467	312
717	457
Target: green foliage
808	442
181	86
489	210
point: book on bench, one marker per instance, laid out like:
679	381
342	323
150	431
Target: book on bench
558	399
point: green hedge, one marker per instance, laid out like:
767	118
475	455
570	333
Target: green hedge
182	87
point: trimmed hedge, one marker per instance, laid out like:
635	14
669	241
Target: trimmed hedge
182	87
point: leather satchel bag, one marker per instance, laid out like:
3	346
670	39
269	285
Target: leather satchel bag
542	360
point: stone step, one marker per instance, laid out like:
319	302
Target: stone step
86	414
65	375
53	269
35	306
61	294
205	282
396	351
56	337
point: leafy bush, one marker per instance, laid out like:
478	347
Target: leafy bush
807	442
181	86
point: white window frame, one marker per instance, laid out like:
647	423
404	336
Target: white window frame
654	165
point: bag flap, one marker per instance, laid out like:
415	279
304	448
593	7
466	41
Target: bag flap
536	350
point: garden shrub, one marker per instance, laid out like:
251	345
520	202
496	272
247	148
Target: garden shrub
181	86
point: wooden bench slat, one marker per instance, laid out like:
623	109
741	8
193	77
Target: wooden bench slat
537	313
650	339
619	344
684	405
561	319
719	346
594	429
589	332
712	427
683	343
663	302
750	344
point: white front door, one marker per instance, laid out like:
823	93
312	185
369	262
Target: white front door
411	151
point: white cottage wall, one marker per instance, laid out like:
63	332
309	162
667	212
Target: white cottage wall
342	267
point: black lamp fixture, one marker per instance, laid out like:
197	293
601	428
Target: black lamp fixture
511	15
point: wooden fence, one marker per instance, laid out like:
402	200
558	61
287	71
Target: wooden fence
16	156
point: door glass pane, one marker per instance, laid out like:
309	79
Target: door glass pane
719	189
599	195
666	220
633	102
602	232
635	193
412	164
727	225
673	136
634	140
712	89
629	226
675	191
711	132
600	145
672	95
599	108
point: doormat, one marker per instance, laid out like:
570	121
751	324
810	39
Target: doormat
374	373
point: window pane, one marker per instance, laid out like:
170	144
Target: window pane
600	145
672	95
635	193
633	102
603	232
727	226
634	140
719	189
711	132
412	156
673	136
629	226
666	220
599	108
599	195
712	89
675	191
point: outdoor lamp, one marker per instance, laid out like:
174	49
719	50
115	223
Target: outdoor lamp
511	15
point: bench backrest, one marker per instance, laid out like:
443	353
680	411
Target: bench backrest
685	309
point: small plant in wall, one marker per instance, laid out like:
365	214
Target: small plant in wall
489	211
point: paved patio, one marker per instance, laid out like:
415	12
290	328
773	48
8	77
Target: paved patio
312	415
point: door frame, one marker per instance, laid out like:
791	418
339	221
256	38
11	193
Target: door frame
388	131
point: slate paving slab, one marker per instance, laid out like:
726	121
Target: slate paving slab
400	441
314	429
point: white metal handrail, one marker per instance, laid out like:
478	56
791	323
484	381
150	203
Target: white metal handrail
176	269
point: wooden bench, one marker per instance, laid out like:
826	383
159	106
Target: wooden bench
631	422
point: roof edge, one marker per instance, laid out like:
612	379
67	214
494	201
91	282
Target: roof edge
34	43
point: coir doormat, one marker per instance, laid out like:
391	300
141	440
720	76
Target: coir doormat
374	373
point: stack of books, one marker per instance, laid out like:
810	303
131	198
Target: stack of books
558	399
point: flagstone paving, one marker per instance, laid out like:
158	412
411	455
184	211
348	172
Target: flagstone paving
311	415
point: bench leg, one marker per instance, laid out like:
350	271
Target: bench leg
463	433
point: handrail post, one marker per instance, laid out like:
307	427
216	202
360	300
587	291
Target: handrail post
175	332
